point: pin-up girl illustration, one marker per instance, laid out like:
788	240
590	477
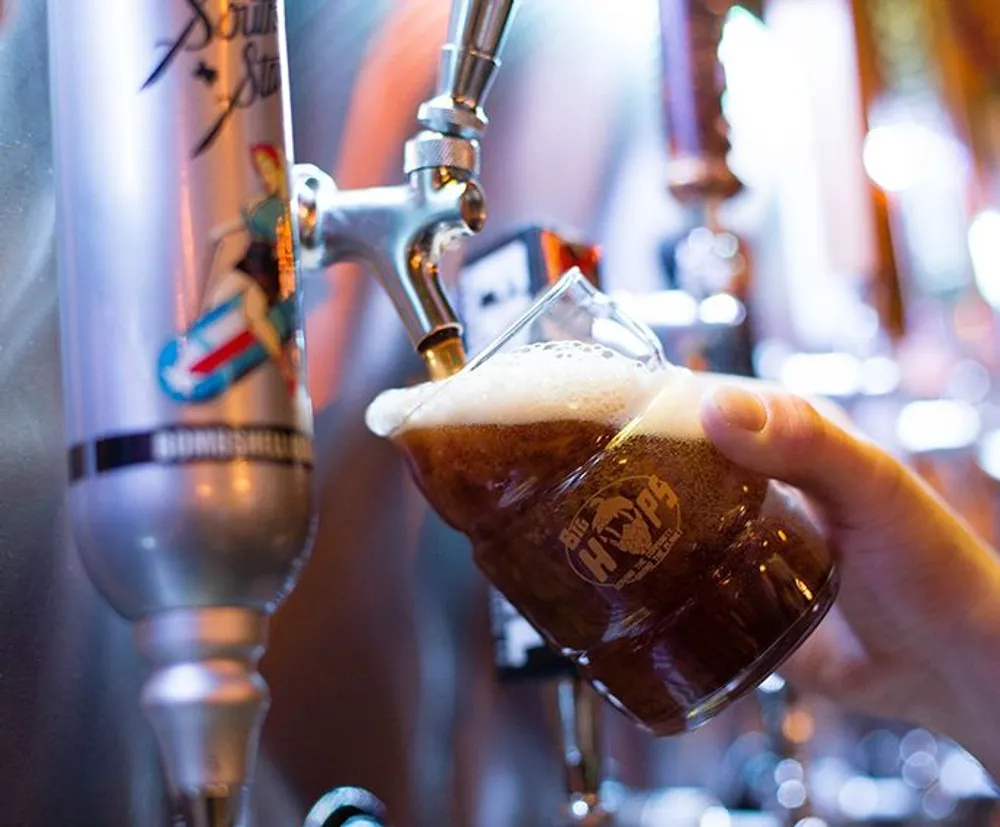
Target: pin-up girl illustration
246	312
256	276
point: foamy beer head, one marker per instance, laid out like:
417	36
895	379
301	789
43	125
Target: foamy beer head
676	580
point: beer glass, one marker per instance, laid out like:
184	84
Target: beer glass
571	454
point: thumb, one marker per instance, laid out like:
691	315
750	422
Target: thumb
783	436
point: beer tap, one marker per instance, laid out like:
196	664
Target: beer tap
581	718
190	429
188	423
401	231
708	263
698	171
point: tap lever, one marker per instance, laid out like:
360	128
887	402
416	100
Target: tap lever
469	61
693	86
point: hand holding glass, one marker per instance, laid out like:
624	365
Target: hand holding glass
571	454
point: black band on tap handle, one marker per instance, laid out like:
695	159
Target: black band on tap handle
182	445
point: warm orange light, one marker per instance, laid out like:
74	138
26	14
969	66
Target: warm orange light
798	726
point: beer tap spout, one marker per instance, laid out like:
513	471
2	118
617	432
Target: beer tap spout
401	231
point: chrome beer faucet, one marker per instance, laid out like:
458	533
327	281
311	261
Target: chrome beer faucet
401	231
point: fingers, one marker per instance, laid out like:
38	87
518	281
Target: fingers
782	436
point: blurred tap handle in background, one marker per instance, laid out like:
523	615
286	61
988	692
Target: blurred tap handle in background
964	39
886	289
693	85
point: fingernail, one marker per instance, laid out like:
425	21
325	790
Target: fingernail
741	409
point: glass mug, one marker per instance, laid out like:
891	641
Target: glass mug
572	456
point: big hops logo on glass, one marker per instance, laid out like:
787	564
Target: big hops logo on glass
623	532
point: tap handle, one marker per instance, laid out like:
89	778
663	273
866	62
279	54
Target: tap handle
476	32
469	61
693	85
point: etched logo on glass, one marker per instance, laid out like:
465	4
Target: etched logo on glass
623	532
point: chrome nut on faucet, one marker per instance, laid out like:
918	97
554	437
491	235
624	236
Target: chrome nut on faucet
433	150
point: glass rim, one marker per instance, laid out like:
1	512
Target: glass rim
567	281
572	279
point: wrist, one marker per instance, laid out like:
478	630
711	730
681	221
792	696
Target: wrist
970	714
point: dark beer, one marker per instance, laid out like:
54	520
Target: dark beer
674	579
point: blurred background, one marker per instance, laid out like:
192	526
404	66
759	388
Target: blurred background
803	190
